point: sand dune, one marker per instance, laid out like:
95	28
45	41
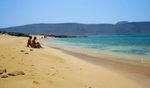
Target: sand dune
51	68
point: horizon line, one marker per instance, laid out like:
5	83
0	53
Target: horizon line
71	23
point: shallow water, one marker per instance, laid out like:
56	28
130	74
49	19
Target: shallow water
127	44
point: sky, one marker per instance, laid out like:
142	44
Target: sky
21	12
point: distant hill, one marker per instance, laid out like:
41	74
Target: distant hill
120	28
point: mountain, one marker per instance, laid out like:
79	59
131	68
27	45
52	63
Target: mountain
120	28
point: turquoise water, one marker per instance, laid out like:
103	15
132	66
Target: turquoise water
137	44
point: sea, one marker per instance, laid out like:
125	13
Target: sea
125	44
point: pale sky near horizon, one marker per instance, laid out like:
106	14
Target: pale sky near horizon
21	12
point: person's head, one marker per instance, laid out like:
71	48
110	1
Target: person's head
34	38
30	37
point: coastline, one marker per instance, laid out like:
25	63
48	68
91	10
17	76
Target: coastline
49	67
132	70
96	53
132	66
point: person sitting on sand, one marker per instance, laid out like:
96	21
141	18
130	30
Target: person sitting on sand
36	44
29	42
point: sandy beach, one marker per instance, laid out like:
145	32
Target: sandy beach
54	68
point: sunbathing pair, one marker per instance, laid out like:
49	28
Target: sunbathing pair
33	43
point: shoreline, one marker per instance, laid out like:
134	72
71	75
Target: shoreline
54	68
135	70
118	57
71	46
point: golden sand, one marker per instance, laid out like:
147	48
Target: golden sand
51	68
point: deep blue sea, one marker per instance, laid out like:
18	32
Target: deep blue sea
127	44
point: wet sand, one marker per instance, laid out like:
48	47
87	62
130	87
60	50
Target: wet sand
137	71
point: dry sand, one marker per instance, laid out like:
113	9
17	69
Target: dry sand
52	68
